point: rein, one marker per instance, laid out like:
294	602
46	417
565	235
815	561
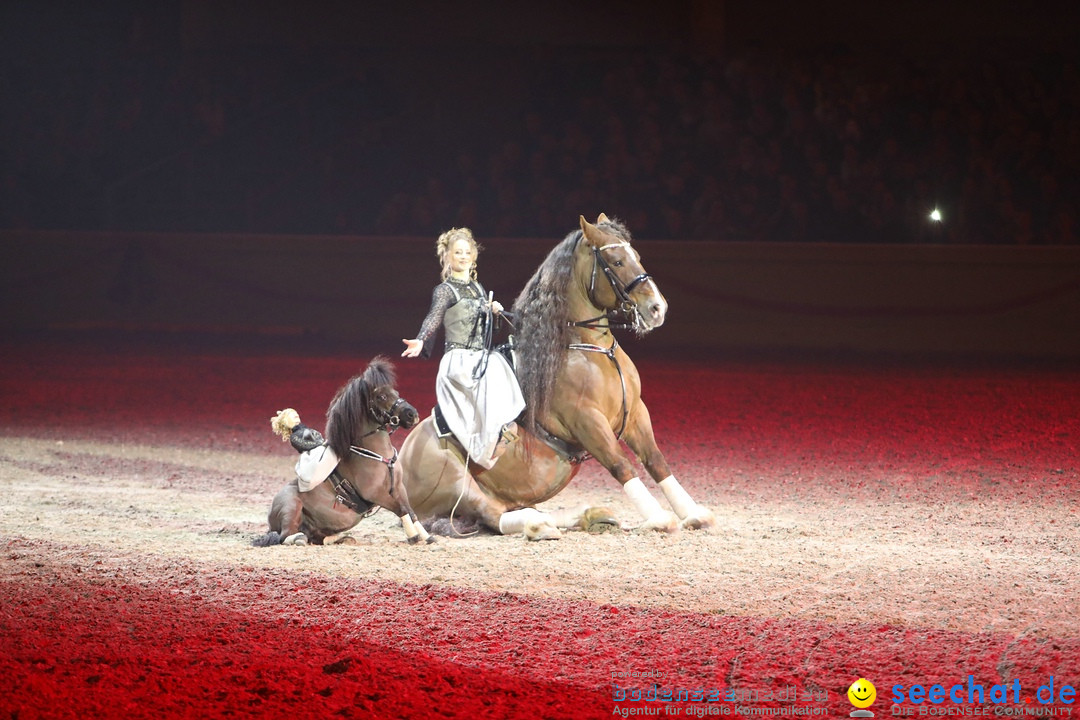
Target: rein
561	446
391	420
343	488
388	423
372	455
626	308
610	352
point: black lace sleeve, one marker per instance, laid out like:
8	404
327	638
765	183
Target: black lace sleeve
442	297
305	438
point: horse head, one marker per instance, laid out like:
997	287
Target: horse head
389	409
629	289
367	403
381	397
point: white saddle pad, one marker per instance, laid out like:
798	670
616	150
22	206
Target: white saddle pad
314	466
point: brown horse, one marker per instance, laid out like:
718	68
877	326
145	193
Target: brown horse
583	396
359	421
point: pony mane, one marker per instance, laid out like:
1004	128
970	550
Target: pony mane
349	413
542	334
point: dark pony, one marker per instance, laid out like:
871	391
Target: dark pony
359	421
350	407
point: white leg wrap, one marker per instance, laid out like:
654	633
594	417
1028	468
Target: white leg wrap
424	534
514	522
567	517
680	500
408	526
647	506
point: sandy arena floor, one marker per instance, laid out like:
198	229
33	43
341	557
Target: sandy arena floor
910	525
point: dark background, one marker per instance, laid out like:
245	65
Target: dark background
240	169
829	121
232	169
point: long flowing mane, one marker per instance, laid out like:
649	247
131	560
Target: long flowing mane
542	333
349	411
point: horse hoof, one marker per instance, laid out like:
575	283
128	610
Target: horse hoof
430	540
541	531
599	520
295	539
661	522
701	518
346	540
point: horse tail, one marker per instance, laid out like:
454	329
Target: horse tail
271	538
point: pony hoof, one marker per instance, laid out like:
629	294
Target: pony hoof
295	539
701	518
430	540
599	520
346	540
541	531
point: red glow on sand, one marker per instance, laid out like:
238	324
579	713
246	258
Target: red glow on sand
99	642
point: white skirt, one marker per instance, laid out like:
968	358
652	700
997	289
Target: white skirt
476	409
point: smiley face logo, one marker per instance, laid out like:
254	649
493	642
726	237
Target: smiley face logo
862	693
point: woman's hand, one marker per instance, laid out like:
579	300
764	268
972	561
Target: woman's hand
412	348
496	307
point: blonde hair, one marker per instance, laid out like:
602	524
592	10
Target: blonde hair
283	423
447	240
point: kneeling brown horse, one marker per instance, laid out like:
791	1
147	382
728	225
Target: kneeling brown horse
359	421
583	396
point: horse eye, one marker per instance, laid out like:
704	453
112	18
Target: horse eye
618	263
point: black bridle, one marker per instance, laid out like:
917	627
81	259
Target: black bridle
388	420
625	307
610	353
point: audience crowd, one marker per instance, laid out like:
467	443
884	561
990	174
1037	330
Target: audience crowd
829	146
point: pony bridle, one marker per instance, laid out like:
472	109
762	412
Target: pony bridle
627	307
389	421
388	418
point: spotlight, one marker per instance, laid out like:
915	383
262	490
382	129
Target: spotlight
935	215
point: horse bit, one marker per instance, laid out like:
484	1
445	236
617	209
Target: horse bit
626	306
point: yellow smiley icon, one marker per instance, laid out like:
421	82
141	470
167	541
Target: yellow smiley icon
862	693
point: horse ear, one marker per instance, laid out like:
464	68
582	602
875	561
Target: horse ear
602	218
590	231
